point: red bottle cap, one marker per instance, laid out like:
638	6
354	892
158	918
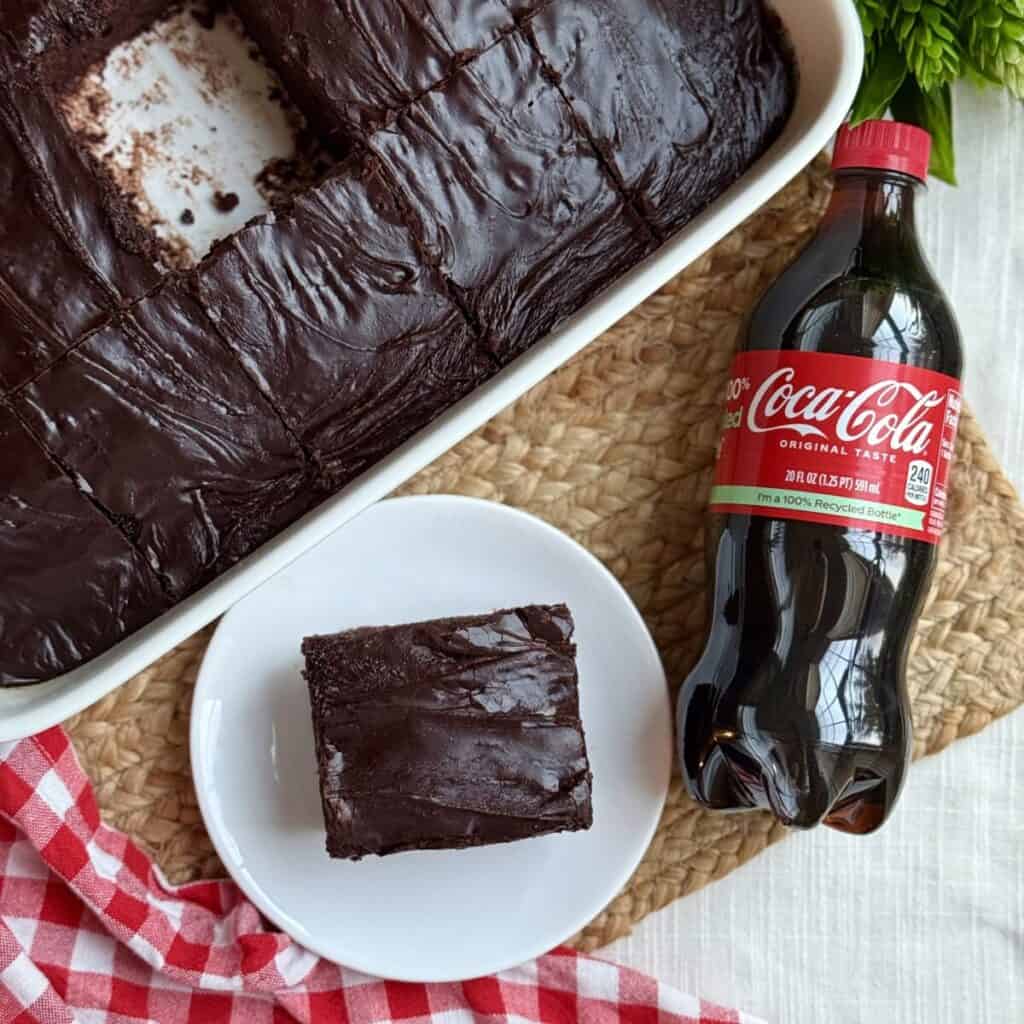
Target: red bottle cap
886	145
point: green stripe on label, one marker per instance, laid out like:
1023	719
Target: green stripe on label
819	504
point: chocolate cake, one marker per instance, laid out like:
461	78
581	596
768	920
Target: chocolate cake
203	470
449	734
72	583
64	262
657	85
353	64
350	335
500	162
541	227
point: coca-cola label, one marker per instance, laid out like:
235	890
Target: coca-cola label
837	439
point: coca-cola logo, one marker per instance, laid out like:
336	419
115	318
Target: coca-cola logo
891	413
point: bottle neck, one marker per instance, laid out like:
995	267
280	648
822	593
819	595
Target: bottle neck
874	213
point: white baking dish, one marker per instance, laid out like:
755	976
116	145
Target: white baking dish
827	39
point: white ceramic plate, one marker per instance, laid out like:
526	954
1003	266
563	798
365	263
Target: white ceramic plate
436	915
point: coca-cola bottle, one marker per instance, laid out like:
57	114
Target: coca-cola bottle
840	420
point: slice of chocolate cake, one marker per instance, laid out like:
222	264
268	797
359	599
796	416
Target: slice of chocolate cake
352	337
72	585
154	418
449	734
63	264
680	98
513	205
350	64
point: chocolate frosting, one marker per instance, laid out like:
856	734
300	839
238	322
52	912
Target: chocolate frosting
63	265
34	28
679	98
72	584
450	733
350	65
153	420
351	336
513	204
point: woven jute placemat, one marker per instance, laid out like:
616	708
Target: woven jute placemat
616	449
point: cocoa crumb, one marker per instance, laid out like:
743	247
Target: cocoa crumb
187	217
217	78
281	179
98	101
156	93
130	61
85	107
225	202
175	253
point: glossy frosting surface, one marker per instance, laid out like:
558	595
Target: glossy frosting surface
678	97
352	337
512	202
63	267
449	733
72	585
153	419
33	28
351	64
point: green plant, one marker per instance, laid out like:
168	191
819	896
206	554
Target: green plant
995	42
916	49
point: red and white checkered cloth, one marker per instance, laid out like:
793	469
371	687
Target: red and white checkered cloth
90	931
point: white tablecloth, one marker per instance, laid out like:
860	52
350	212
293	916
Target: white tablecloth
922	923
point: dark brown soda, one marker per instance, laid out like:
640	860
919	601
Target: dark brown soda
799	702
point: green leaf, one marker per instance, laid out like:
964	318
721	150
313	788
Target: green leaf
874	16
932	111
1013	30
990	17
994	34
929	34
980	77
879	84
